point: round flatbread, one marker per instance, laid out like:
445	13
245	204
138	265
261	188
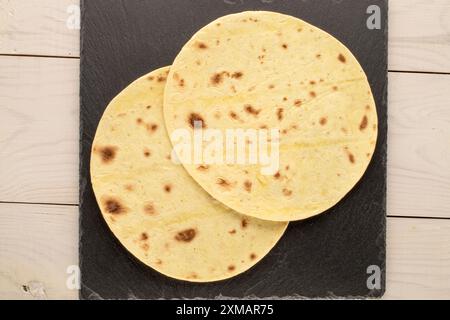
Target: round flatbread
265	70
155	209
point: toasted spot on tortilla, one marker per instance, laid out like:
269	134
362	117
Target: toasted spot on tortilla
144	236
277	175
168	188
201	45
364	123
342	58
113	206
231	268
287	192
152	127
251	110
237	75
298	103
232	231
108	153
223	183
244	223
323	121
129	187
186	235
234	115
203	168
284	45
312	94
280	112
196	118
149	208
253	256
147	153
351	157
335	88
248	186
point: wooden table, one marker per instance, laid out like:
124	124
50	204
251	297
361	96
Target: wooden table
39	76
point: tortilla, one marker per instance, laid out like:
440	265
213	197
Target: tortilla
155	209
265	70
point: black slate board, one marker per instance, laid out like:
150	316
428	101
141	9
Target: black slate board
326	256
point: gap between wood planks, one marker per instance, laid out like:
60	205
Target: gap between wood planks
77	57
76	205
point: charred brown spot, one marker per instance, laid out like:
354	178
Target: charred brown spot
147	153
248	186
277	175
113	206
203	168
253	256
351	157
237	75
335	88
152	127
263	127
159	262
161	78
344	130
287	192
217	78
280	112
232	231
244	223
251	110
287	168
342	58
139	121
312	94
364	123
202	45
318	56
312	82
271	86
285	98
148	107
284	45
149	208
144	236
196	118
108	154
223	183
231	268
129	187
181	82
168	188
151	78
145	247
298	103
186	235
233	115
368	155
299	29
323	121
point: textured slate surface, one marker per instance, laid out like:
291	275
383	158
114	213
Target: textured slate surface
325	256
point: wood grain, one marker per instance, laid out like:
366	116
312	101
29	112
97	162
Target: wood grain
419	35
418	261
37	244
419	31
38	27
39	130
39	140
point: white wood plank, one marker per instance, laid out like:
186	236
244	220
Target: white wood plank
419	145
418	259
38	27
419	35
39	137
39	130
37	244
